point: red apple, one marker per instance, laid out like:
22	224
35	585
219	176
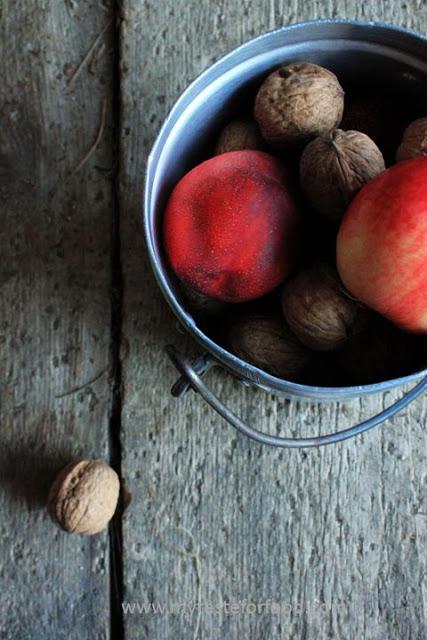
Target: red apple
382	245
231	226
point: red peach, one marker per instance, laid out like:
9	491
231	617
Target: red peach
382	245
231	226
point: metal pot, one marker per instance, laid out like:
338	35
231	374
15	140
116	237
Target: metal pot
367	52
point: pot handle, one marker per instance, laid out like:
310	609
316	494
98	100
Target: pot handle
191	378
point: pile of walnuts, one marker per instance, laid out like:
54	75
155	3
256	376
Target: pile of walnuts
300	107
301	117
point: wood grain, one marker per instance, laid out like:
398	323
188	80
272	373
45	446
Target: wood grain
55	265
214	517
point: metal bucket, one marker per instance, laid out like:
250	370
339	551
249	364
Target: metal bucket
373	52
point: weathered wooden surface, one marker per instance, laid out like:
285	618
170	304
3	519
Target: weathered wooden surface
337	537
216	518
55	266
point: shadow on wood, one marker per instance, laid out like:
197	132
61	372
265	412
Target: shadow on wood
27	475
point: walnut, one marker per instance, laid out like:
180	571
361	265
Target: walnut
83	497
414	142
266	342
239	135
297	103
333	168
316	308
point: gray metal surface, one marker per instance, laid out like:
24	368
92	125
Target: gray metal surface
190	374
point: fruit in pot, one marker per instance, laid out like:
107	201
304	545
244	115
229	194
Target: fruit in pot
238	135
382	245
334	167
266	341
231	228
297	103
317	309
414	142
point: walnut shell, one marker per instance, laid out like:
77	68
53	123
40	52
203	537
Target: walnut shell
239	135
414	142
297	103
335	167
83	497
266	342
317	310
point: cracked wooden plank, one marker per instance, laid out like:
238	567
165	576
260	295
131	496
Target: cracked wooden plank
55	247
333	535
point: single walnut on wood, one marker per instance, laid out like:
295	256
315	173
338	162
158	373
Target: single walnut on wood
297	103
239	135
333	168
316	308
83	497
266	342
414	142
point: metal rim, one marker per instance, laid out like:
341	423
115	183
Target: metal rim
196	382
227	359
